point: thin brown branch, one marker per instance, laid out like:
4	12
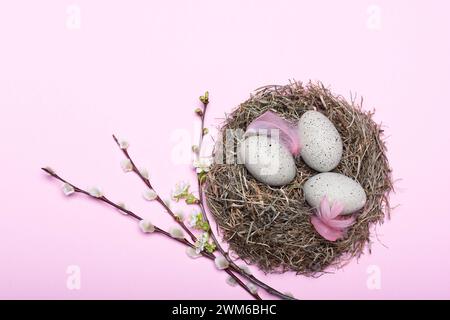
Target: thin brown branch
233	265
133	215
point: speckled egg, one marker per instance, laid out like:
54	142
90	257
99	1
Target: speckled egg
267	160
337	187
321	142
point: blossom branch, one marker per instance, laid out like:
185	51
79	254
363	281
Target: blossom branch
232	264
156	229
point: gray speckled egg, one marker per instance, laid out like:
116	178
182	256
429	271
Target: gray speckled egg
337	187
321	142
267	160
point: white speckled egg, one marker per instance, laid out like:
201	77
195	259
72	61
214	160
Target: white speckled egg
337	187
267	160
321	142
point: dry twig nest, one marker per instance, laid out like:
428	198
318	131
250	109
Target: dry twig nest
270	226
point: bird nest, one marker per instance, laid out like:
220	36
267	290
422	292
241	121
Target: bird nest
270	226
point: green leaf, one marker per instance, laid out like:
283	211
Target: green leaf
191	199
202	176
210	247
203	225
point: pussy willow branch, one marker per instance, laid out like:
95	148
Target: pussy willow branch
201	205
148	183
133	215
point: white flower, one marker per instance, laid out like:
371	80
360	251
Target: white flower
191	252
221	262
95	192
194	218
126	165
253	289
167	203
144	173
146	226
202	164
179	215
181	189
149	194
123	206
123	144
244	268
201	242
68	189
231	281
176	233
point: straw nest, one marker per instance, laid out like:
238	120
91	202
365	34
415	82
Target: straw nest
270	226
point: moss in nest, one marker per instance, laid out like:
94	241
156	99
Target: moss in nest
270	227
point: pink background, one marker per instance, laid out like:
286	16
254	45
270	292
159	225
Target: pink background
135	68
